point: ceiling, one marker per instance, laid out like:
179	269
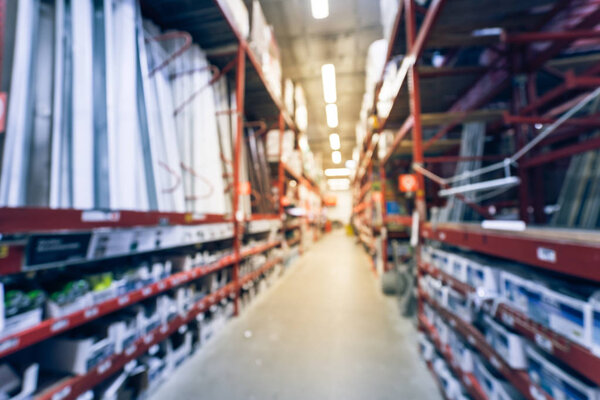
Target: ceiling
306	44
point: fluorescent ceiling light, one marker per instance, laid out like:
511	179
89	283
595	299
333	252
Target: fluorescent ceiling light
337	172
332	115
336	157
320	8
334	141
350	164
329	85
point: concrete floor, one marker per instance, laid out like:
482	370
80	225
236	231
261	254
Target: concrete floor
324	331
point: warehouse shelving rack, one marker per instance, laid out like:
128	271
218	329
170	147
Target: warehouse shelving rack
523	57
212	28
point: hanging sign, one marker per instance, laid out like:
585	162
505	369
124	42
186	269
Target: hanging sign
407	183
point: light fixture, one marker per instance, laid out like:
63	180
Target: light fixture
338	184
332	115
334	141
329	85
320	8
336	157
350	164
337	172
303	143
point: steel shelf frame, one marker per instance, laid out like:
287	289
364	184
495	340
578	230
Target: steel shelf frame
512	56
241	66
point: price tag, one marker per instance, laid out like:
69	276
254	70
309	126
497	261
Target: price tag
8	344
91	312
146	291
545	254
123	300
130	350
508	319
105	366
62	394
471	340
58	325
163	329
536	393
495	363
543	342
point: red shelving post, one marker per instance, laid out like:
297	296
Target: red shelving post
240	85
281	183
414	91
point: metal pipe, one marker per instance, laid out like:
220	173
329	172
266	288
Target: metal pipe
240	80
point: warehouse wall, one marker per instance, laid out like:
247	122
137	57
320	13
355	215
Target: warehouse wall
343	210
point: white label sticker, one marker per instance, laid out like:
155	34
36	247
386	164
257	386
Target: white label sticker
91	312
471	340
543	342
495	363
123	300
545	254
100	216
58	325
163	329
146	291
149	338
536	393
508	319
62	394
102	368
8	344
130	350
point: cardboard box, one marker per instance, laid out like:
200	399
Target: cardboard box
18	382
557	382
483	277
514	291
568	315
459	305
79	354
509	345
426	347
494	387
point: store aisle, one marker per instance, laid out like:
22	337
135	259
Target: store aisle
324	331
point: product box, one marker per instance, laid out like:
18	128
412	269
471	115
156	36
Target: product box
450	385
482	277
426	347
440	260
179	347
18	382
557	382
494	386
79	353
514	290
459	305
568	315
509	345
463	356
457	266
21	322
442	329
595	304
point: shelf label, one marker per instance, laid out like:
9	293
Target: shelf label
495	363
543	342
105	366
62	394
123	300
91	312
466	380
58	325
8	344
536	393
161	285
130	350
146	291
100	216
508	319
149	338
45	249
164	328
545	254
471	340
